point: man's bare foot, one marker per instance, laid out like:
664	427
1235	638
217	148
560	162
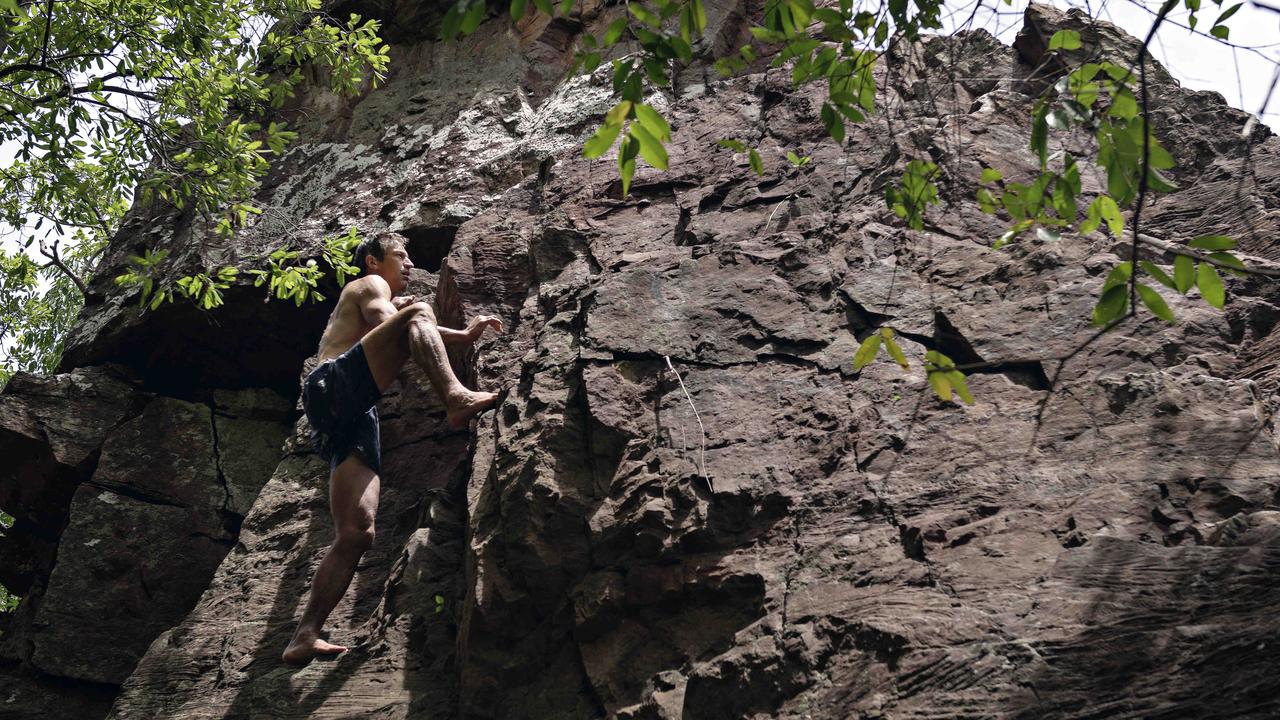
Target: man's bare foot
465	406
302	649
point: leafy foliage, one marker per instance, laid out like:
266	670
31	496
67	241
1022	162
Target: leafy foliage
39	303
99	98
7	601
840	46
287	276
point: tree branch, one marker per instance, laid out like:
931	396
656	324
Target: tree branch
149	97
1172	249
1145	170
48	23
56	261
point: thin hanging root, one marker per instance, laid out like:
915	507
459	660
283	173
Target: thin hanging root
702	455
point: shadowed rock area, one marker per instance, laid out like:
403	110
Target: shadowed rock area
686	503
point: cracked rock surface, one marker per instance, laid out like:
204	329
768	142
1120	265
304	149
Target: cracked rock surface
687	503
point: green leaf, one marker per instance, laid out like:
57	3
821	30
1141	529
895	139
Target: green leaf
866	352
1228	13
618	113
832	121
1092	220
614	31
1222	32
734	145
987	201
644	15
827	16
1160	275
1119	275
1155	303
684	52
653	122
768	36
518	8
990	175
1110	212
1123	105
941	387
627	151
1234	265
756	163
452	21
1210	284
895	352
1158	182
475	15
1065	40
957	381
1040	132
1212	242
600	143
1112	305
699	17
1184	273
656	70
650	148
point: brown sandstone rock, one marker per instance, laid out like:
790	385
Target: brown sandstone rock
811	542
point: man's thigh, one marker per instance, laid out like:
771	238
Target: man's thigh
386	347
353	494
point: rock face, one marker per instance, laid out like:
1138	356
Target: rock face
687	503
125	506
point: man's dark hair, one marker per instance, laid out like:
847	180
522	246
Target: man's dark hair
374	244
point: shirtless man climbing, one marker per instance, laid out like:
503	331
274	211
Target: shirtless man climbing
370	335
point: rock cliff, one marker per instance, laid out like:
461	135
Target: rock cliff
686	503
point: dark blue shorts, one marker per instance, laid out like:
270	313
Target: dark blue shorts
340	398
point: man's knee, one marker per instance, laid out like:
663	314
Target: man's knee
356	537
423	318
421	312
417	314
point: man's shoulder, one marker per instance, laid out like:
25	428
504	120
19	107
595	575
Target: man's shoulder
366	287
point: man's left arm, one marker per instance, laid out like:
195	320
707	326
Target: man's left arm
474	330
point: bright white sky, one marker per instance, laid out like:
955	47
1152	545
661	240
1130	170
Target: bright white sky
1241	74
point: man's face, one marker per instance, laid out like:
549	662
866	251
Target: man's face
393	267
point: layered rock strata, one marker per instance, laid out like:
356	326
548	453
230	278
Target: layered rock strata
687	503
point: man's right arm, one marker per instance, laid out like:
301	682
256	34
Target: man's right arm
375	301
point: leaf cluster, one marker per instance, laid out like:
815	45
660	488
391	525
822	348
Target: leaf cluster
288	276
945	379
